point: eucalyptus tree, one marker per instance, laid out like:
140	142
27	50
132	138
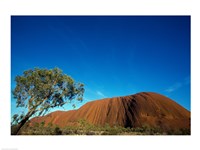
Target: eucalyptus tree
40	90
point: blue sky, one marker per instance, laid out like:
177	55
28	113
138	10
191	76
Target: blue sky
111	55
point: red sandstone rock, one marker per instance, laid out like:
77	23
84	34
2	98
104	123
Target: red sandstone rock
144	108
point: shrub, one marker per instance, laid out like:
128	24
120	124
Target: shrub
13	129
57	131
90	133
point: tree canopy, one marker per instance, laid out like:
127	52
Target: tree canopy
40	90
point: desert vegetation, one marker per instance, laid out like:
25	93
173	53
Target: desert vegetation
40	90
85	128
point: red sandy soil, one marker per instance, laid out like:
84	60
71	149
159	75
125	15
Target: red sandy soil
146	108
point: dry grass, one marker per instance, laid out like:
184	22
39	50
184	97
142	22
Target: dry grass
84	128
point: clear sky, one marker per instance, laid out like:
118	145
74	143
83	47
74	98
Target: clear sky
111	55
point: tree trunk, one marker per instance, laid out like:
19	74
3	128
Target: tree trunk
26	118
22	122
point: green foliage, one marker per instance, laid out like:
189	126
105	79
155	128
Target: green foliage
42	123
15	119
182	131
40	90
85	128
45	89
57	131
